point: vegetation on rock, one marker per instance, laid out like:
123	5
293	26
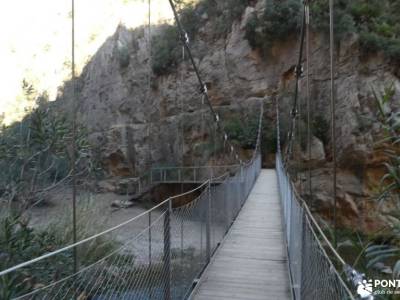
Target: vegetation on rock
165	50
320	129
377	254
166	45
242	134
375	22
389	119
279	20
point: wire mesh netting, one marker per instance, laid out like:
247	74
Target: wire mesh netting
313	274
189	174
158	254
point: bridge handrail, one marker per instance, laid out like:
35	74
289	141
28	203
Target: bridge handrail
95	236
195	167
306	247
224	200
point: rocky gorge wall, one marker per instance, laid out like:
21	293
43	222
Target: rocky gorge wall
136	122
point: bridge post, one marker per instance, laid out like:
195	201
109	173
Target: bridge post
167	251
150	291
208	224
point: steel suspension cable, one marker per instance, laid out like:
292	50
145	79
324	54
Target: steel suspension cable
356	278
179	103
101	284
203	87
308	95
74	192
278	131
333	114
149	76
149	47
298	73
181	119
325	246
100	234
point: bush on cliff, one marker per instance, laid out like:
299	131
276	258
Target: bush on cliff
375	22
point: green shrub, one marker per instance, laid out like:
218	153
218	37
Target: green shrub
242	134
320	129
19	243
377	22
123	55
378	26
223	14
166	46
393	50
388	117
384	29
165	50
34	155
365	11
190	20
371	42
233	11
319	15
280	20
251	34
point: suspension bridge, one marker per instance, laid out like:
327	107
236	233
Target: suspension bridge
245	233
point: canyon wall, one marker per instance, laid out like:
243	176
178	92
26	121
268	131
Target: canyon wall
137	120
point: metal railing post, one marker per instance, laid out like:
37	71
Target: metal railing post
208	224
167	251
150	291
303	257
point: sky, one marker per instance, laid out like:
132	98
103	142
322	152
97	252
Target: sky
35	41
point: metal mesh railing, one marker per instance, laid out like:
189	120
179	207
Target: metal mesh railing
313	275
191	174
158	254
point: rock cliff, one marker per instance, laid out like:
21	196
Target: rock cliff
136	120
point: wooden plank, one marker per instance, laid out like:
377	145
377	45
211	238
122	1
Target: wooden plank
251	262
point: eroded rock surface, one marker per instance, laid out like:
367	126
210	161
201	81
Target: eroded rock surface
134	125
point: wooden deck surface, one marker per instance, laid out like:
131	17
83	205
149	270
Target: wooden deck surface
251	262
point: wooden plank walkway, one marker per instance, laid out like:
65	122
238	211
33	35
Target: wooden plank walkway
251	262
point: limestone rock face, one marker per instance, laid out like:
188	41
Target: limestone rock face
134	124
318	154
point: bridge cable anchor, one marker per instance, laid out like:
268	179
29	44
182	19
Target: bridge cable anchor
204	89
185	38
359	281
299	71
